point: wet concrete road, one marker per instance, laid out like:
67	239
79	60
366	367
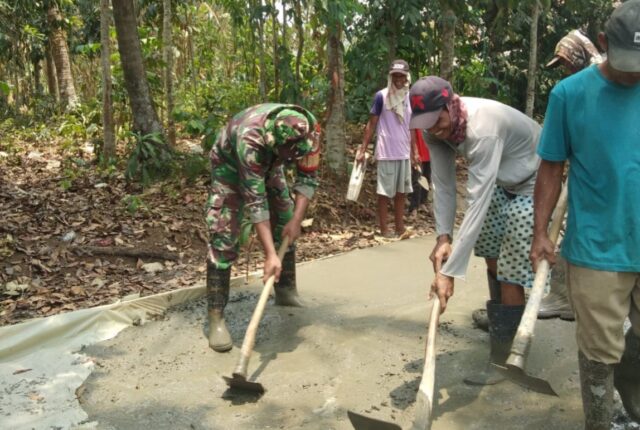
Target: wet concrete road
358	345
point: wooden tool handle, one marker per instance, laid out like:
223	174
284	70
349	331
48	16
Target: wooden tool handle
250	336
429	371
424	397
522	340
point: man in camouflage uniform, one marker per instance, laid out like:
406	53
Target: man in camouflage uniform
248	179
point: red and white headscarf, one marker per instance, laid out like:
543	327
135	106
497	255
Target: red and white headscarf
458	114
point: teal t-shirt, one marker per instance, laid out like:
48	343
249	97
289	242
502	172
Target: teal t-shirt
595	124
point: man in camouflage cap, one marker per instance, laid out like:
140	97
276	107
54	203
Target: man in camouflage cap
592	122
575	52
247	178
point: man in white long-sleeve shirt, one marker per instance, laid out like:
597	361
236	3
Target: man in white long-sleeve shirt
499	145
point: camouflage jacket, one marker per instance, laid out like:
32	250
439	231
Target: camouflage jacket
256	143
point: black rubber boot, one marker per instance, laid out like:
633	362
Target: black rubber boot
627	376
479	316
503	324
217	298
285	288
596	382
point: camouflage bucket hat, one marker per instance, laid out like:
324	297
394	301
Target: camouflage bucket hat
576	49
295	130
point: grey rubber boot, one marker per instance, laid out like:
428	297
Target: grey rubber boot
479	316
627	376
503	324
596	382
285	288
217	298
556	304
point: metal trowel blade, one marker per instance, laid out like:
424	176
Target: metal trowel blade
360	422
517	375
239	382
424	183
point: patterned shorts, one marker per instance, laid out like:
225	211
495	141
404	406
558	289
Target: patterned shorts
506	235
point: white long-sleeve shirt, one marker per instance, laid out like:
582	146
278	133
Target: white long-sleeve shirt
500	148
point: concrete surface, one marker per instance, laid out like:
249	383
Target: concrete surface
358	345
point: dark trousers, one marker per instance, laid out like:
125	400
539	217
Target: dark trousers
419	194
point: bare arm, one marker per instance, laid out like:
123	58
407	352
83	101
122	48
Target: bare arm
368	134
545	195
292	229
415	158
272	264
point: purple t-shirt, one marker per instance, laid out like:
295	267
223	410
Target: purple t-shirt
394	139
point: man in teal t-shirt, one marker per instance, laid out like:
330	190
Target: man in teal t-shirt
593	120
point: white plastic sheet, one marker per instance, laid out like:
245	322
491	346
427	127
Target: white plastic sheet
40	368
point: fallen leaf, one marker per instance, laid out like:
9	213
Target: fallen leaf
13	288
153	267
78	291
107	241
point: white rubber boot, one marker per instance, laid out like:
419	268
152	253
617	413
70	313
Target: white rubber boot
556	303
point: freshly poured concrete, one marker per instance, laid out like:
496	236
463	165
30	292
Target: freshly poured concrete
359	345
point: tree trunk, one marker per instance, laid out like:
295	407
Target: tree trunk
533	60
17	95
60	54
108	126
335	127
192	61
448	43
167	54
145	118
284	25
52	81
392	36
276	75
262	85
300	51
37	72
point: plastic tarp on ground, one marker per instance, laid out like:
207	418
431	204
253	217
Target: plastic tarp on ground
40	367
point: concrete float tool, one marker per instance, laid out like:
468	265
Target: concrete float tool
422	180
515	364
424	398
238	380
357	178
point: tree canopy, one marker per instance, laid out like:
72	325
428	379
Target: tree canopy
329	56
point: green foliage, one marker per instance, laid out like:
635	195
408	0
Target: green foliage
222	101
133	204
72	168
193	125
218	61
471	79
78	127
150	159
5	88
386	30
195	166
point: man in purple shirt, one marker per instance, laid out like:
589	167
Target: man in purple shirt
389	118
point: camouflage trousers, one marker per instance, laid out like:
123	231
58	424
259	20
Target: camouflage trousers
225	211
